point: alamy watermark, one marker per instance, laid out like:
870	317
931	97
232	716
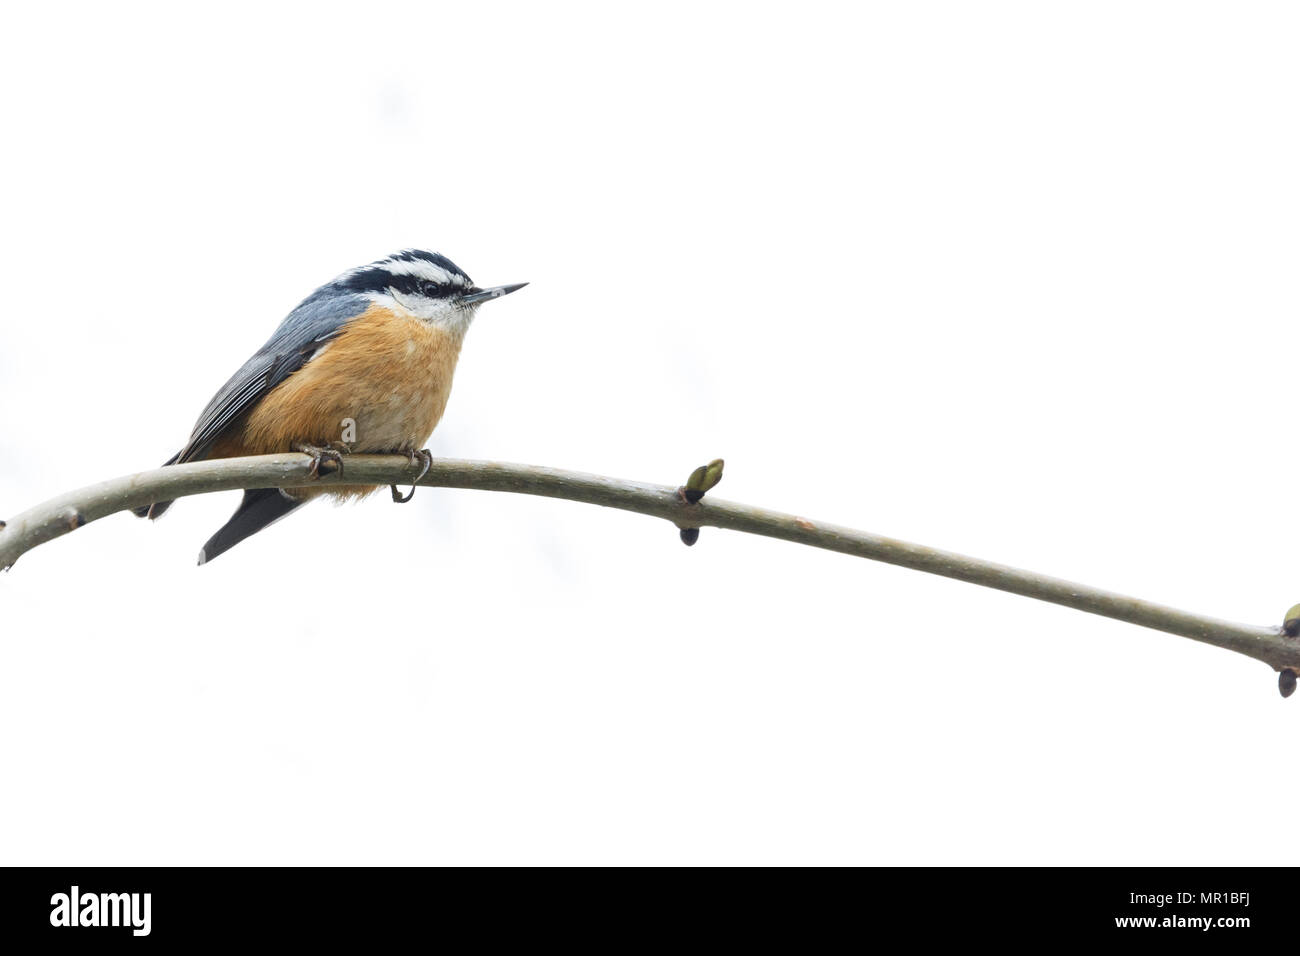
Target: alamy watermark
101	909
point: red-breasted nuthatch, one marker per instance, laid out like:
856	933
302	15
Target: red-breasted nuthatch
364	364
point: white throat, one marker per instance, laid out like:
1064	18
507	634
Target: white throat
443	313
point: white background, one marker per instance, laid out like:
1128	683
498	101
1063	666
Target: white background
1016	280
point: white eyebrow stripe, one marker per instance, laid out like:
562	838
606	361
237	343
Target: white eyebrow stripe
425	270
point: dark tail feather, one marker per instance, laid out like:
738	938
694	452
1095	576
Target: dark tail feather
260	508
156	509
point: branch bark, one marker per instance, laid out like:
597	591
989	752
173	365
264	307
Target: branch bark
68	512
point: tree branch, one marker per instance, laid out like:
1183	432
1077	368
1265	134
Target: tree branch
69	512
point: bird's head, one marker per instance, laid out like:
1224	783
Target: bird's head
427	285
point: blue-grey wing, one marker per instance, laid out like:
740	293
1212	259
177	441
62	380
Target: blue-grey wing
289	348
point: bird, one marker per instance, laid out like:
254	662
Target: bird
363	364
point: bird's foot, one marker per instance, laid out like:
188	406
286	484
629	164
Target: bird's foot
423	456
333	452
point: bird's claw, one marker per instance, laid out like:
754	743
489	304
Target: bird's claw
319	455
426	458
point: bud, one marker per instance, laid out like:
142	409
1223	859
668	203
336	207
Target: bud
712	473
1286	682
701	480
1291	622
693	490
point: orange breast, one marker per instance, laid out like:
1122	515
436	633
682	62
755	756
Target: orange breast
383	383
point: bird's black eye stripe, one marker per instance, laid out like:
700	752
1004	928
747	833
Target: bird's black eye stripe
414	285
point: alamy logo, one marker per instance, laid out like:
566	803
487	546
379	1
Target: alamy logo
101	909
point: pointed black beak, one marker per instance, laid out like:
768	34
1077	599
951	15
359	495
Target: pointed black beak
476	296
